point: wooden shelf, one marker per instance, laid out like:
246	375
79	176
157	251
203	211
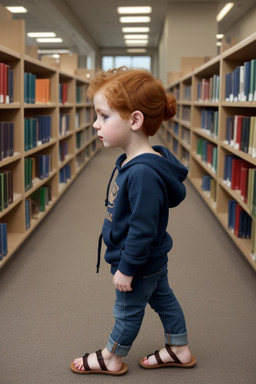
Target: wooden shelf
191	105
80	115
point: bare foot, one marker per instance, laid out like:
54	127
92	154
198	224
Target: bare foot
112	362
182	352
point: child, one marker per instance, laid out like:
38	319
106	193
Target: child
130	107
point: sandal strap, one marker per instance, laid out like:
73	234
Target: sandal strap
85	362
101	360
157	356
172	354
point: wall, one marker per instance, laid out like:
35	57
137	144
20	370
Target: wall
244	27
189	30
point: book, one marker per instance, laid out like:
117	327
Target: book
42	91
6	189
6	139
6	83
3	240
239	222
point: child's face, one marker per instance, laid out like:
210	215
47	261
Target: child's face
112	129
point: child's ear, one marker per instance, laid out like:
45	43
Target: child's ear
137	120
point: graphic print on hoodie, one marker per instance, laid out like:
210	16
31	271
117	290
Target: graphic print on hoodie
134	228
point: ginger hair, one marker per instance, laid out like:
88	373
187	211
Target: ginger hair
128	90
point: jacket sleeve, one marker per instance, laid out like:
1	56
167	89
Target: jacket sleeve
146	198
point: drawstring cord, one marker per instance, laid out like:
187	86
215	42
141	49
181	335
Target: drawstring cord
100	237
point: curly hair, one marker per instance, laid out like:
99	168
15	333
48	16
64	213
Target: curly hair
128	90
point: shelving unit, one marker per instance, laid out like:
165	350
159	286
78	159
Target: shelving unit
197	135
77	145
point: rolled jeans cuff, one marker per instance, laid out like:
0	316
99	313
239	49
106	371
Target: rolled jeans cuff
176	339
117	349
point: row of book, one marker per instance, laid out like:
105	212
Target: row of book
6	84
36	90
80	94
37	203
3	240
65	174
241	133
239	222
187	92
82	138
39	166
240	84
186	114
6	189
209	185
209	121
63	93
209	89
63	124
208	152
63	150
239	175
37	131
6	139
236	173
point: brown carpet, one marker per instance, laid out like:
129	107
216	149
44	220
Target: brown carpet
54	307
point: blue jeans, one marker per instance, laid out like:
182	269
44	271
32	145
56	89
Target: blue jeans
129	311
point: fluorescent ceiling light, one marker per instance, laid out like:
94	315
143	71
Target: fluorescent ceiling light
224	11
17	9
135	19
53	51
136	42
41	34
134	10
219	35
136	50
127	37
135	29
49	40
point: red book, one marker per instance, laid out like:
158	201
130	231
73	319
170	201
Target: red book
244	180
235	174
209	153
64	93
238	122
1	83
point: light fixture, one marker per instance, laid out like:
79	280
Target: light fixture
134	10
127	37
136	42
49	40
135	29
135	19
136	50
41	34
53	51
17	9
219	43
227	7
219	36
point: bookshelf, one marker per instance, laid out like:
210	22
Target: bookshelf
214	135
50	142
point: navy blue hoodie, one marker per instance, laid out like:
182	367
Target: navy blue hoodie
134	228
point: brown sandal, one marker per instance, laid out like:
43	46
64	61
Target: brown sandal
175	363
103	370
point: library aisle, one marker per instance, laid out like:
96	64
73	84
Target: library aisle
54	307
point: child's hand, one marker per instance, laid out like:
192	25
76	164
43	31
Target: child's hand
122	282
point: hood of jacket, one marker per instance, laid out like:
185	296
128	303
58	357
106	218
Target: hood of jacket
170	169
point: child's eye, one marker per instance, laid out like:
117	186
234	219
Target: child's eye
105	117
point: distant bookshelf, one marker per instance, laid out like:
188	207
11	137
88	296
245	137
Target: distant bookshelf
214	135
46	138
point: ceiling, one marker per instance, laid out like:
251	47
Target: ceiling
90	25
